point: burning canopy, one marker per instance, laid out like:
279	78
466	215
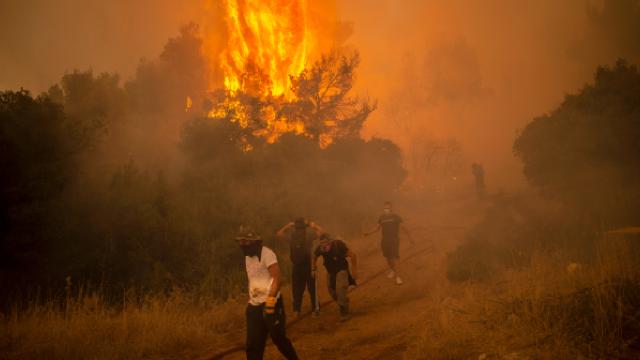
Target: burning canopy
271	85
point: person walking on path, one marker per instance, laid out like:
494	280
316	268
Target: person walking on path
390	224
335	253
302	233
265	310
478	175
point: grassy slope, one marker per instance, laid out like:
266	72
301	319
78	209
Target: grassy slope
539	312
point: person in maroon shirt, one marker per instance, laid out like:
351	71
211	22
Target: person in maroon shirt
302	234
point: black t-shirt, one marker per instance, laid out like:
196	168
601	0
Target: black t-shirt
390	224
335	260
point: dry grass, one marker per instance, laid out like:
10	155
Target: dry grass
86	328
550	310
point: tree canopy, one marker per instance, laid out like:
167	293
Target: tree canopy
119	187
586	153
319	104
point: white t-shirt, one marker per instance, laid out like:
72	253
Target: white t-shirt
260	279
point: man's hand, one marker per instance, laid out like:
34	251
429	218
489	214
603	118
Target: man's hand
270	306
365	233
269	312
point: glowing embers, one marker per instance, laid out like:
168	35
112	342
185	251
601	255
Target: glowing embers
230	109
262	118
276	125
268	41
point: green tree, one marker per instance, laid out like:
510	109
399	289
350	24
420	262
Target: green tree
38	150
93	103
160	87
586	153
323	101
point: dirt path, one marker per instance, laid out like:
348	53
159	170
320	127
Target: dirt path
387	319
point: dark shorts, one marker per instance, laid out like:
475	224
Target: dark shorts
390	248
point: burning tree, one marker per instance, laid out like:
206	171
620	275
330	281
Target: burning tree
113	208
270	86
319	105
322	99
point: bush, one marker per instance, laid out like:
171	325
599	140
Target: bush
513	227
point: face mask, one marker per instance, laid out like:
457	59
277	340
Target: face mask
387	211
252	249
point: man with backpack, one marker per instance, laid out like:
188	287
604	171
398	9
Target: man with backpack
389	224
302	233
335	253
265	310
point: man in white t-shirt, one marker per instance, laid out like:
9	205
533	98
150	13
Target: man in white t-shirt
265	311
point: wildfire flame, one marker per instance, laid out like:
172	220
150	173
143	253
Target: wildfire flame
269	38
268	42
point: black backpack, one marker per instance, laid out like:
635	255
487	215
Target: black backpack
300	251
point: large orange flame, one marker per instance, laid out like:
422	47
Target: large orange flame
269	39
269	42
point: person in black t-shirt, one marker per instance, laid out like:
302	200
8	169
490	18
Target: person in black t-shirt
335	253
390	224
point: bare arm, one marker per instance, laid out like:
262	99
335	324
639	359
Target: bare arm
377	228
407	233
280	232
354	263
274	271
319	230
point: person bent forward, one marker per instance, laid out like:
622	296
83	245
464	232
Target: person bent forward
335	253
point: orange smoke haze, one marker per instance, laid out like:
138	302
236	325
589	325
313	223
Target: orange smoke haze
441	69
476	71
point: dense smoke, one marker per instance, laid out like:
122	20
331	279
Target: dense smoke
454	81
490	67
126	185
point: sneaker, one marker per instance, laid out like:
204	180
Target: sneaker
398	280
345	317
315	313
391	274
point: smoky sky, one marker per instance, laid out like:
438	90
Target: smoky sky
479	71
476	71
42	39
